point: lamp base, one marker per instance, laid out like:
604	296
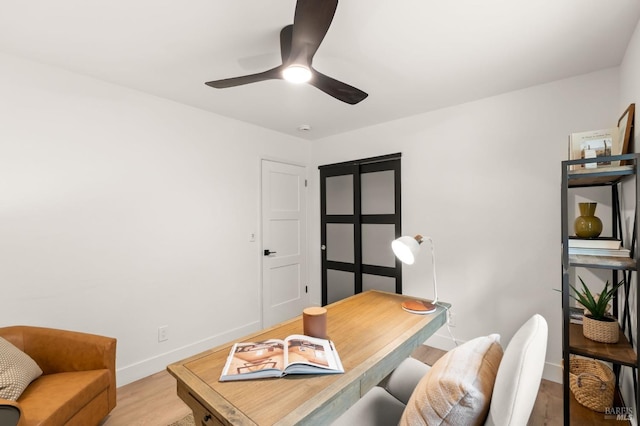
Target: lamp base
418	307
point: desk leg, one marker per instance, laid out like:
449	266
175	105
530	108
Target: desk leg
201	415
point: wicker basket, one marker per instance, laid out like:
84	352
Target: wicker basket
601	331
592	383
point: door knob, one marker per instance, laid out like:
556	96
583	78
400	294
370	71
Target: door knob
267	252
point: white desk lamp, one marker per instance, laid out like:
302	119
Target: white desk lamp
406	248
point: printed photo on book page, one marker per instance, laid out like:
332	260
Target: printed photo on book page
297	354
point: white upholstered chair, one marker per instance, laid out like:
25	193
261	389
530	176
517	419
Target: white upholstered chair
513	395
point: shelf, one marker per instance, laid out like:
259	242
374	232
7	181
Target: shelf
581	415
618	177
602	262
619	353
601	176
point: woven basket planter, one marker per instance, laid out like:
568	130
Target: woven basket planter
592	383
601	331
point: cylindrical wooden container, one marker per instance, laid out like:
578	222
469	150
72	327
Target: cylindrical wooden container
314	322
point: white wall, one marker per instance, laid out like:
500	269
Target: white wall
114	207
121	212
483	179
630	93
629	71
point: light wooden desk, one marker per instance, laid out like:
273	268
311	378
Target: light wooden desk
372	335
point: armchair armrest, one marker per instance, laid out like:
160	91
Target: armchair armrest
9	412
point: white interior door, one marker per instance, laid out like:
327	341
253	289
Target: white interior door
284	224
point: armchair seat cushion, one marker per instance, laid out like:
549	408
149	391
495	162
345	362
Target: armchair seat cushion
57	397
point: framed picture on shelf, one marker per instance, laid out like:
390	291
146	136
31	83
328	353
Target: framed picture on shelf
592	144
625	127
603	142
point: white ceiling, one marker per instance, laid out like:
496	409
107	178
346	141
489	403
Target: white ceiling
411	56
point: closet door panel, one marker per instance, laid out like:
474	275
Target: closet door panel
376	244
378	192
340	242
378	282
340	284
339	195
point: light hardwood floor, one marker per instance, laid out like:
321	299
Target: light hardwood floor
152	401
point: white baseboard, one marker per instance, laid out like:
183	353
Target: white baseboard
552	372
149	366
442	340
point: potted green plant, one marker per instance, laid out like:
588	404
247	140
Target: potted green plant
598	325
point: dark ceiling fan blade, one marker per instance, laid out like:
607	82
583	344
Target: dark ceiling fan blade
298	44
337	89
310	24
285	43
273	73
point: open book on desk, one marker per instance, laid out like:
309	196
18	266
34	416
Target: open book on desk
297	354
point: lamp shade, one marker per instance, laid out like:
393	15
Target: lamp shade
406	248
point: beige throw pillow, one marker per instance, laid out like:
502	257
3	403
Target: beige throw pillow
457	390
17	370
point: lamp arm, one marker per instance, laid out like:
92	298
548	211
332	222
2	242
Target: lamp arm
433	263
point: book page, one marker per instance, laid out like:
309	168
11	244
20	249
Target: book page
255	357
312	351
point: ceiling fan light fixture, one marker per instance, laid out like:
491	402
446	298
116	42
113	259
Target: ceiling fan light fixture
296	74
298	45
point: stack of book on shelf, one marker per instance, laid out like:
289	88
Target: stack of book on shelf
575	314
597	247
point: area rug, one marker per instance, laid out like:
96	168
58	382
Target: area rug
185	421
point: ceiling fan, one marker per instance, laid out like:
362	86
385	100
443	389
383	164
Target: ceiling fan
298	44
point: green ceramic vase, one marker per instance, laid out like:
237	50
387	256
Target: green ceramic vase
587	225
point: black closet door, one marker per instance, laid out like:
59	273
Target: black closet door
360	216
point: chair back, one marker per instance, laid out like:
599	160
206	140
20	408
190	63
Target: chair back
519	375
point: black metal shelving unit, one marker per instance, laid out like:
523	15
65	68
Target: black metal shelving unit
623	353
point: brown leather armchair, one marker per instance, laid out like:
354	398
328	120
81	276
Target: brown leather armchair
78	385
